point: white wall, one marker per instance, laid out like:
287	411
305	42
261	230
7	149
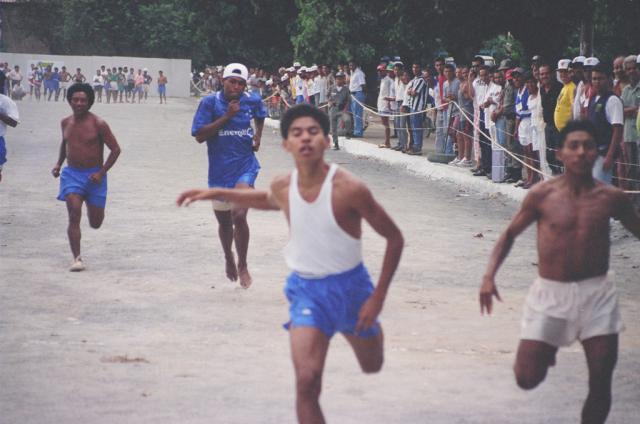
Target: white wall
176	70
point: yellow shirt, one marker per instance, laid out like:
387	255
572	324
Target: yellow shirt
563	112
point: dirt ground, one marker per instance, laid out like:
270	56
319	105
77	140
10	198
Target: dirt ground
152	332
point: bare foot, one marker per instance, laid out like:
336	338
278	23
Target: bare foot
245	277
231	269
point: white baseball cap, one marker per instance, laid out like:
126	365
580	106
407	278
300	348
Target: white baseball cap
579	59
563	64
284	77
591	61
638	59
312	68
235	70
296	64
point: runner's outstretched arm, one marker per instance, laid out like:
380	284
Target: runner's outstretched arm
382	223
241	197
527	214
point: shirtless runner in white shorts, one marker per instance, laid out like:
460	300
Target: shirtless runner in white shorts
574	297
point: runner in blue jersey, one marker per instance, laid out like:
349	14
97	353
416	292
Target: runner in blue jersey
223	120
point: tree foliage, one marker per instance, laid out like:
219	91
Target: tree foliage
274	32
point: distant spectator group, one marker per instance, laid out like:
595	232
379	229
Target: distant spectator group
501	121
111	85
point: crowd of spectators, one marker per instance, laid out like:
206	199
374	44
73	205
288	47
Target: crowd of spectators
48	83
500	121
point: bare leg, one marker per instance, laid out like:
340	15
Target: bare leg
241	238
225	232
96	215
308	351
74	207
387	131
369	351
602	355
532	362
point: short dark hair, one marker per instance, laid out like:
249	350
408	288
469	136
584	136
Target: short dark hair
84	87
577	125
302	111
600	68
439	59
450	66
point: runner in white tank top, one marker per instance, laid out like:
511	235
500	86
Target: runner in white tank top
329	289
313	228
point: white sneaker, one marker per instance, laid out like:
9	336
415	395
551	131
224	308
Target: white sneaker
454	162
467	163
77	265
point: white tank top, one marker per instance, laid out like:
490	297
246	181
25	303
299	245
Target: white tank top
317	245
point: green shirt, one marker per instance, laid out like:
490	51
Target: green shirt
630	98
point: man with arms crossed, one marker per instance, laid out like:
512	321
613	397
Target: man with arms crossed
223	120
329	289
84	179
573	298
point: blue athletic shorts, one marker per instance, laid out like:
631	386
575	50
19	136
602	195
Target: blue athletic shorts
76	181
162	89
330	304
248	178
3	151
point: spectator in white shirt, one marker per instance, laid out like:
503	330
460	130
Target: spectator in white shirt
386	101
357	86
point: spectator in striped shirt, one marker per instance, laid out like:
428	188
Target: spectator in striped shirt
416	98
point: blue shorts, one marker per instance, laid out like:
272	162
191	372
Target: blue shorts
248	178
162	89
76	181
330	304
3	151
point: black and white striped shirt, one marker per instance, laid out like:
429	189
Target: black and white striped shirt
419	100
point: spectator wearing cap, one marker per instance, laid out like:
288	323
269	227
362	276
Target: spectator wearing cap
563	112
620	79
416	98
605	111
312	88
293	82
339	102
630	137
301	85
357	86
584	92
549	92
495	125
386	102
577	69
536	62
478	90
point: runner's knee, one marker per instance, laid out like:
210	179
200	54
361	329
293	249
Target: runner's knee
239	216
529	377
372	365
309	382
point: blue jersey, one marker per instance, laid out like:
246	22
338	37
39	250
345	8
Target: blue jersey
231	149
